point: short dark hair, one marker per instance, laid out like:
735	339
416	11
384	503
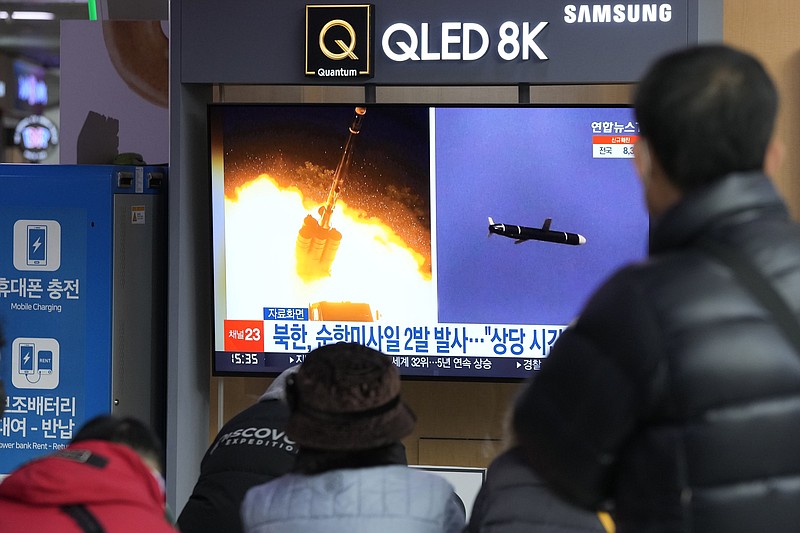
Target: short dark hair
706	111
127	430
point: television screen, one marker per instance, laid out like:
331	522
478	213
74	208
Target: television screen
460	240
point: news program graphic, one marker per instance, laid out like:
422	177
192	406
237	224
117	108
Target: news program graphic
369	224
340	41
37	245
35	363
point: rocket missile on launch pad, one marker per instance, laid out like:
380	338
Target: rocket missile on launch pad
341	169
318	242
523	233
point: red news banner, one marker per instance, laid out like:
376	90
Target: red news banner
244	335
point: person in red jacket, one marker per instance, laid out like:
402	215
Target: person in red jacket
107	480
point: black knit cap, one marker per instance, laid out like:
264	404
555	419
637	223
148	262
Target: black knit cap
347	397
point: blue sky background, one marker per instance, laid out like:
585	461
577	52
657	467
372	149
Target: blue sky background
520	166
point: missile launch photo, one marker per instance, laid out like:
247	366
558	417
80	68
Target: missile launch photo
317	241
326	208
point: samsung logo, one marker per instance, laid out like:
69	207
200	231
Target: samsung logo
617	13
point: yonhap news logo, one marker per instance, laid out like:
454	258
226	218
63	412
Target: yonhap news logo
339	41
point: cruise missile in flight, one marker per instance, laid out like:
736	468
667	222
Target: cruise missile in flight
523	233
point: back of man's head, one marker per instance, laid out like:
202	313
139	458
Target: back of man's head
706	112
128	431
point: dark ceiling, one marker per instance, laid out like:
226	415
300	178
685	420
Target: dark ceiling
37	40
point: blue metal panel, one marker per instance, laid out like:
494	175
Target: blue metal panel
56	228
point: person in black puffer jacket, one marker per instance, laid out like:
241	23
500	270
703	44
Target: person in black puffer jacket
250	449
674	398
514	500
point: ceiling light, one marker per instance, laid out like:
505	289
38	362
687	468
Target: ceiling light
3	15
32	15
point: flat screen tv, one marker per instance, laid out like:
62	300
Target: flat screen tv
459	240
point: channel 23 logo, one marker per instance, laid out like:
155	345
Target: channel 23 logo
339	41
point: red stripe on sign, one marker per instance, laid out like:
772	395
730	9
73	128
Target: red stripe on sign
614	139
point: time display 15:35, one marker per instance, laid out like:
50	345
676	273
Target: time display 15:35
244	358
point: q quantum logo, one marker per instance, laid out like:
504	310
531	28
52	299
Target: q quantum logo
339	41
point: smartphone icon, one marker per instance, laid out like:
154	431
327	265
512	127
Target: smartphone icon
37	245
44	358
26	358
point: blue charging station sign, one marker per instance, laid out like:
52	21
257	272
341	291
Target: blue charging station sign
55	304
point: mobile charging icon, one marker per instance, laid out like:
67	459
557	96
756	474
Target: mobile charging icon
37	245
35	363
26	359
